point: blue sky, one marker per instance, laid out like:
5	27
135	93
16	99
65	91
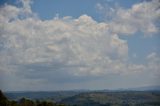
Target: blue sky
48	9
85	44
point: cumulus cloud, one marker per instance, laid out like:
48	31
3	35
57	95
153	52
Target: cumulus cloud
79	46
140	17
41	50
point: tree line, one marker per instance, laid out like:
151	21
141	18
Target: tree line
4	101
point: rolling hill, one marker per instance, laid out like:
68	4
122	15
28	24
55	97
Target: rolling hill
119	98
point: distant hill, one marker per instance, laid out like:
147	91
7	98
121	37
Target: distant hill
41	95
145	88
119	98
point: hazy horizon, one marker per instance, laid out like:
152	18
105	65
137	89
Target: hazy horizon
83	45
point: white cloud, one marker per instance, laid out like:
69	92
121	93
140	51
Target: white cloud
152	56
81	46
8	9
26	6
140	17
154	63
33	48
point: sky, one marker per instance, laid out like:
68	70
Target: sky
79	44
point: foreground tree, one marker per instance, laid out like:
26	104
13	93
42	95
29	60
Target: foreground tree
3	99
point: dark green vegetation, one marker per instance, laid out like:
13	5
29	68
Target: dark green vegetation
26	102
90	98
122	98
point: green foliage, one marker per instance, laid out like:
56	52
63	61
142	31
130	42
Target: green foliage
25	102
2	97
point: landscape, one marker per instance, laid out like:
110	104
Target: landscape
79	52
81	98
